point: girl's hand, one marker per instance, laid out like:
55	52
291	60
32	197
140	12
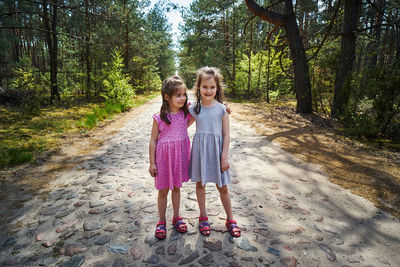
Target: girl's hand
228	109
153	170
224	165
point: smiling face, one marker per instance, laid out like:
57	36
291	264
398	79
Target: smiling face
177	100
208	89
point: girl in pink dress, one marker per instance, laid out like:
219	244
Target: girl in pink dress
169	151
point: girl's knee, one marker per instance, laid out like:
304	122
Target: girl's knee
163	192
176	189
200	186
223	189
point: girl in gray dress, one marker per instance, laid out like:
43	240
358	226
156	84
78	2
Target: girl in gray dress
209	157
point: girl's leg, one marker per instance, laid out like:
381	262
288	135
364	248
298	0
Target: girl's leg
204	226
177	220
234	230
226	201
176	200
201	198
162	203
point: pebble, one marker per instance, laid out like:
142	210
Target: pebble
174	258
136	252
330	254
117	249
213	245
79	203
74	262
206	260
92	225
192	256
94	204
95	211
72	249
110	228
153	259
103	240
171	250
245	245
116	220
274	251
160	250
289	262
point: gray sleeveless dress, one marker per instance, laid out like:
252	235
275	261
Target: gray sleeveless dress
207	143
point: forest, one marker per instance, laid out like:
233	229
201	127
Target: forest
339	59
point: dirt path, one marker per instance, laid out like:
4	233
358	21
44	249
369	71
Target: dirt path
98	208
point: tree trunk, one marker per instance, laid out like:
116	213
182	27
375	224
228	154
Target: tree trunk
234	53
54	54
87	52
301	72
346	60
249	57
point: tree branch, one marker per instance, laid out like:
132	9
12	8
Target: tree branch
328	31
264	14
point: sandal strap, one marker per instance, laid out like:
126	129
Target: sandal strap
204	225
161	227
161	223
205	218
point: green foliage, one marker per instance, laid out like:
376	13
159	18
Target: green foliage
374	106
116	84
266	73
322	75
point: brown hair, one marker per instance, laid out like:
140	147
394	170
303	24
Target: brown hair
169	87
216	74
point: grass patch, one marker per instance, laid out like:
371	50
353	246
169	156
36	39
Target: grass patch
25	135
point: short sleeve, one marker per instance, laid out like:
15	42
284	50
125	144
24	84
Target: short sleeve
188	116
157	118
191	111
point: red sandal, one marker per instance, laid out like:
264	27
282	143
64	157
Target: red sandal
161	230
233	229
179	224
204	226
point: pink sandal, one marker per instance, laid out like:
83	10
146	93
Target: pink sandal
179	224
233	229
161	230
204	226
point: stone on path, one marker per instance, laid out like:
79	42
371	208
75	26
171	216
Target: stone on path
213	245
103	240
330	254
72	249
153	259
117	249
206	260
194	255
171	249
74	262
79	203
174	258
289	262
245	245
95	204
136	252
92	225
274	251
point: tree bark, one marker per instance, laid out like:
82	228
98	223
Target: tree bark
347	55
301	72
87	52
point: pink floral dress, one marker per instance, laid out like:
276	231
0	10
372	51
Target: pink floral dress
172	151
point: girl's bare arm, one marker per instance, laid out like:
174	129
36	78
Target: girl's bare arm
225	145
152	149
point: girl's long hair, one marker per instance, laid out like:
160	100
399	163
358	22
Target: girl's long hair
170	87
202	73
